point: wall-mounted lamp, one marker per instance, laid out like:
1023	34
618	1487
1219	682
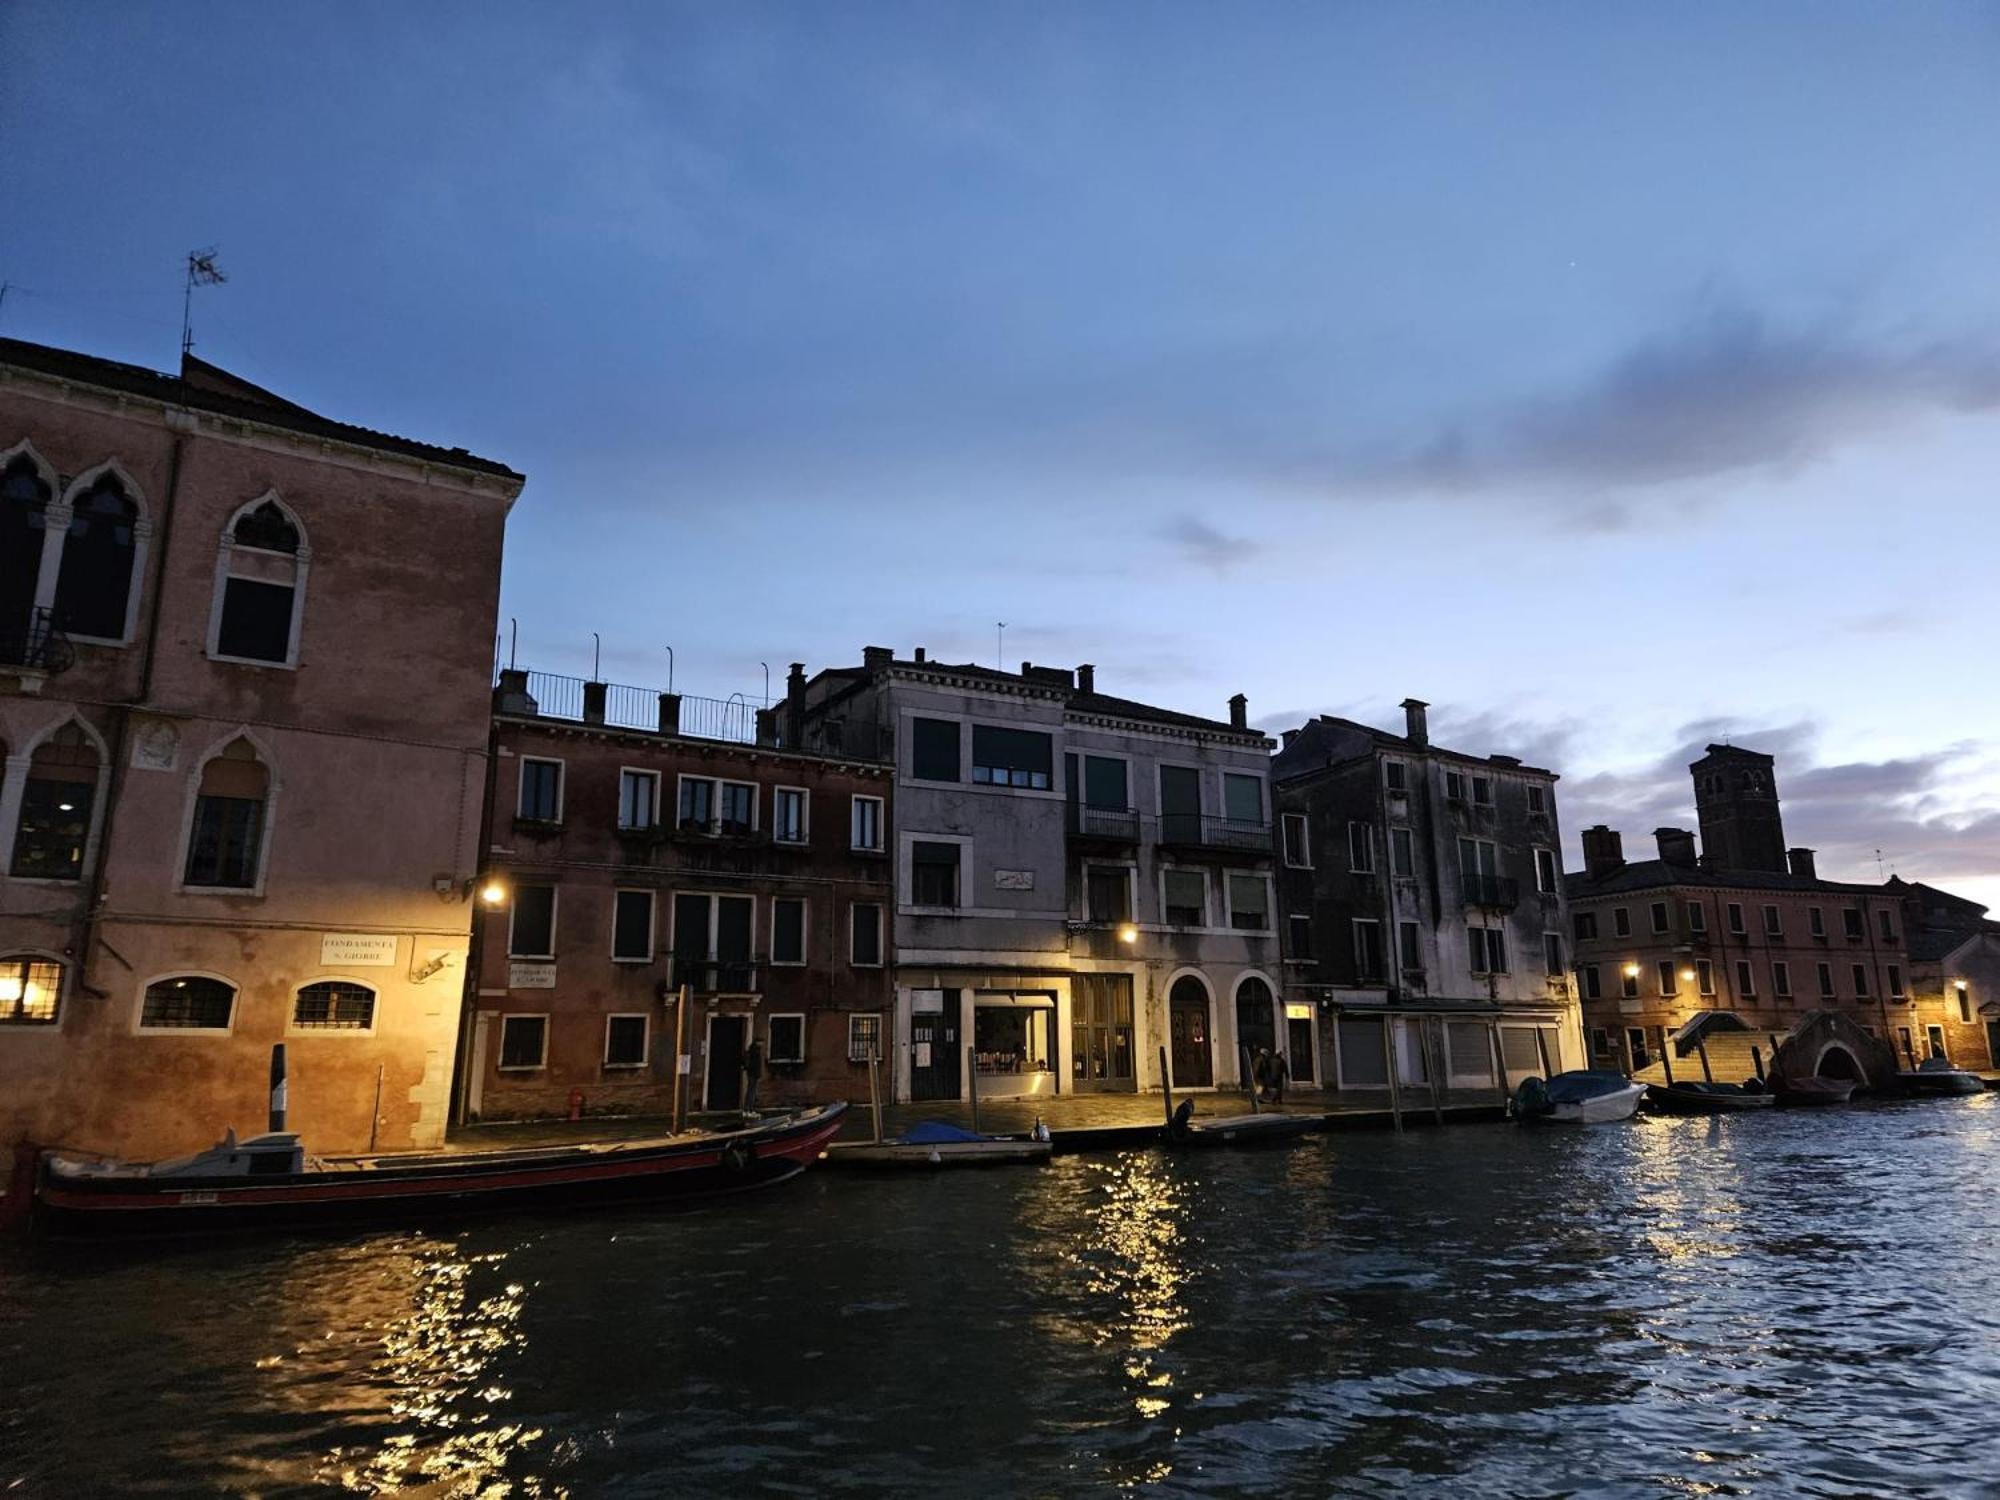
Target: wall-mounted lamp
493	892
1631	971
1127	934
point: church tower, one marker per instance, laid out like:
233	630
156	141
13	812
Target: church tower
1736	801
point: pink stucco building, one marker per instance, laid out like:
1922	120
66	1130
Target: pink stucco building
244	656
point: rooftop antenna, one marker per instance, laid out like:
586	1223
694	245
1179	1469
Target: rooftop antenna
1878	864
201	271
1000	646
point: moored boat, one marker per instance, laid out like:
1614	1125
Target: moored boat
933	1143
1183	1129
1814	1092
1936	1076
1582	1096
268	1181
1696	1098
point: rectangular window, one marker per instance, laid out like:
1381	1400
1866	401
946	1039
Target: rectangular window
1488	946
1107	893
865	935
1368	949
934	749
1552	954
1826	981
1861	981
1012	757
1243	798
1816	921
256	622
1621	921
697	811
625	1039
1746	980
1896	990
638	800
1454	786
541	791
1697	915
1657	912
1781	979
1628	981
1934	1035
1774	925
334	1005
865	823
632	927
788	815
1410	947
1669	984
788	930
1548	878
1249	903
524	1042
31	987
1885	925
1360	849
933	874
787	1038
1851	919
864	1036
1736	918
1301	929
1482	791
1396	777
1180	804
1589	982
1402	854
736	804
1106	784
1585	923
1186	898
1297	855
223	843
1704	973
532	931
1538	801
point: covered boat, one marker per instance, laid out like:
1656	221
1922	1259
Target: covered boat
1812	1092
269	1181
1936	1075
1582	1096
1183	1129
935	1143
1699	1098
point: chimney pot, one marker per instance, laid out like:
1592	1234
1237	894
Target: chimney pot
876	657
593	702
1802	863
918	654
1603	851
1416	723
1676	847
1290	735
1239	712
1086	678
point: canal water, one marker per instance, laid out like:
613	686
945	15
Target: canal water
1800	1303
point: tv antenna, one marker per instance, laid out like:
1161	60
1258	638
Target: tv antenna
1000	646
201	271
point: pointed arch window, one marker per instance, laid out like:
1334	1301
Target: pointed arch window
24	507
261	587
56	803
226	840
94	581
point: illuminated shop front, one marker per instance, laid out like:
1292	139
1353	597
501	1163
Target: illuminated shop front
1014	1044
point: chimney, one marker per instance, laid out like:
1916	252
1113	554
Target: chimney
874	658
1290	735
1676	847
1416	727
917	655
670	713
1086	678
1603	851
1239	712
593	702
1801	861
512	696
795	704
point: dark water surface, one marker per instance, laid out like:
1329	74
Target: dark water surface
1801	1303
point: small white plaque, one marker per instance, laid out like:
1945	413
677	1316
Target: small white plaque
923	1055
1013	880
357	950
531	976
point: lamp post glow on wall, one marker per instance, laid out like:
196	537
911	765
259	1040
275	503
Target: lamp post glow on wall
1128	934
493	893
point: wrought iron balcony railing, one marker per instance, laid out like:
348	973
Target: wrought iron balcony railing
1113	825
36	645
713	976
1207	831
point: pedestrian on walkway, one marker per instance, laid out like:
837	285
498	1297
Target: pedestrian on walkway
1260	1072
753	1069
1280	1071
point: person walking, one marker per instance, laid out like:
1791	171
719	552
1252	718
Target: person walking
1280	1071
753	1069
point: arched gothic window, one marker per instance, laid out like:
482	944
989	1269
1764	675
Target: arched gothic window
56	803
24	505
261	587
226	840
94	583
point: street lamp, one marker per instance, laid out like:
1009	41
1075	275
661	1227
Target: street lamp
493	892
1127	934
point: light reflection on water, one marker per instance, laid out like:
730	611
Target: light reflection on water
1798	1303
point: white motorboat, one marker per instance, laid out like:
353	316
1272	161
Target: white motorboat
1580	1097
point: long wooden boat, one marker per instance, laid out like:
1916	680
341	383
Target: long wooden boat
268	1180
1694	1098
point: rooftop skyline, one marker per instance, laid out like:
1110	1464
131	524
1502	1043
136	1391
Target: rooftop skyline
1617	382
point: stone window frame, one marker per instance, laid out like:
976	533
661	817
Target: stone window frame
770	1047
294	1027
301	569
191	797
140	1028
805	933
58	515
13	784
652	925
645	1019
25	955
507	1018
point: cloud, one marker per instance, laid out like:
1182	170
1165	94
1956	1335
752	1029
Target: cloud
1204	546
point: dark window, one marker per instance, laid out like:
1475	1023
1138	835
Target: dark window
1296	853
788	930
788	815
228	829
1552	953
1886	925
934	749
1009	757
638	799
934	874
1249	903
24	505
1816	921
1395	776
1736	918
268	529
1547	876
95	582
632	925
1705	975
1108	890
334	1005
738	807
1488	947
523	1041
1856	929
1482	791
625	1041
1896	988
866	820
1658	912
697	812
1861	981
533	931
256	620
1668	986
1360	849
1187	898
1454	786
191	1003
787	1039
1105	786
1538	799
865	921
1301	929
541	790
1586	926
1621	921
1243	798
1781	978
1826	980
30	989
56	800
1746	980
1180	804
1590	982
1697	917
1774	924
1368	950
1402	853
1410	946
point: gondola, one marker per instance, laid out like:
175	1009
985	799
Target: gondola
1693	1098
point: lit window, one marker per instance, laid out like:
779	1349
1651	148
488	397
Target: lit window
56	800
334	1005
31	988
864	1036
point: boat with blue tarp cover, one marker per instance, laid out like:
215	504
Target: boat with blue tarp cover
1583	1096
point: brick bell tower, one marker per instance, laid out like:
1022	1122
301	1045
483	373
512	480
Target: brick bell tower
1736	802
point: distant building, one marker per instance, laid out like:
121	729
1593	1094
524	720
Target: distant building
638	843
1424	909
1082	880
1746	927
1954	974
244	658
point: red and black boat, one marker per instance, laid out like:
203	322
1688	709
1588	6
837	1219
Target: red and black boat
269	1181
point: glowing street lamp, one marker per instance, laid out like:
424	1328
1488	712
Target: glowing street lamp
494	893
1127	934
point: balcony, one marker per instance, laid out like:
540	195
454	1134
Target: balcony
34	647
1495	892
1103	825
1210	834
713	976
724	830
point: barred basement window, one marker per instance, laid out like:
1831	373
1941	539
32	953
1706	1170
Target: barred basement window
864	1036
334	1005
31	987
191	1002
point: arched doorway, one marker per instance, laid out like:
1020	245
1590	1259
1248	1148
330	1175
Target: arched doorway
1256	1023
1838	1062
1187	1025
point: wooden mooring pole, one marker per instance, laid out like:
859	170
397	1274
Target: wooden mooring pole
682	1062
1249	1077
1167	1085
1433	1065
875	1093
1389	1057
972	1085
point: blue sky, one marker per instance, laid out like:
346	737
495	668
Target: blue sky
1615	377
